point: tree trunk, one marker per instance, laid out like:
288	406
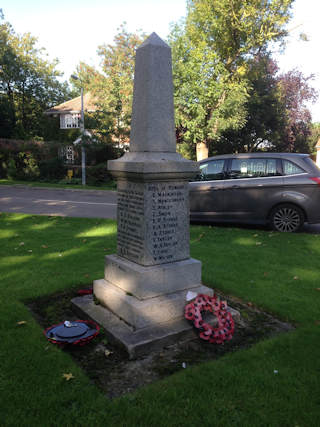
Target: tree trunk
202	151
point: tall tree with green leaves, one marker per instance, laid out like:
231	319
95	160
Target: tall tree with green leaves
211	50
278	117
112	87
295	92
28	84
266	114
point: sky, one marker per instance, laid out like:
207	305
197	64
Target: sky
72	30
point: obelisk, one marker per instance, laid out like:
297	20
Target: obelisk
146	282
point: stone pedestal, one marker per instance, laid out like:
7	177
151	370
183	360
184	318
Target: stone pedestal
145	284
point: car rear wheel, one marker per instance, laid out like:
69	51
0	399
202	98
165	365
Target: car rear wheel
286	218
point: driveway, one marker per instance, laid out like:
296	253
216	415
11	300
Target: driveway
44	201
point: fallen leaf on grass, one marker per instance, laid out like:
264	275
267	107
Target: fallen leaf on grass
258	243
68	376
317	322
265	273
249	304
255	235
44	246
84	240
21	243
200	237
22	322
86	275
30	250
296	278
317	289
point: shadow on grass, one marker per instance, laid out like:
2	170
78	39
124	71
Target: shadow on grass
40	249
108	365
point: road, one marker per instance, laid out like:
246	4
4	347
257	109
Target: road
76	203
44	201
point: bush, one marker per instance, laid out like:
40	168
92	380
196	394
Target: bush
98	153
30	160
72	181
97	174
30	169
11	169
52	169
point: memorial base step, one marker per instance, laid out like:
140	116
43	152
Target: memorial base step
144	313
137	342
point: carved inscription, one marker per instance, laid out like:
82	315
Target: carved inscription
130	223
168	210
153	221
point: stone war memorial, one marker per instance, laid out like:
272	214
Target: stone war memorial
143	293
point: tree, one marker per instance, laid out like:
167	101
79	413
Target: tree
112	88
277	118
211	51
28	84
314	137
295	91
266	116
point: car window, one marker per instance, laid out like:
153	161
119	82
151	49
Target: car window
290	168
212	170
253	168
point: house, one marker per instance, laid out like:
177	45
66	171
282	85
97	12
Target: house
69	113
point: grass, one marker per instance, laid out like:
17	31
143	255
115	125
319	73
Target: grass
274	383
107	186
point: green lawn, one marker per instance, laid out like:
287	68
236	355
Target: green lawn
274	383
108	186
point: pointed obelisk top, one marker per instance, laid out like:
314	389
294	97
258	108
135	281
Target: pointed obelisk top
152	125
154	40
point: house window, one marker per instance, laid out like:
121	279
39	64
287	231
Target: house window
67	154
70	121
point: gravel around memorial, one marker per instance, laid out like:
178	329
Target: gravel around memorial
109	367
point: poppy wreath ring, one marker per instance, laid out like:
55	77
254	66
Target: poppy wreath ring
225	329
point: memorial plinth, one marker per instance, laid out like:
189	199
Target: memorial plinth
146	282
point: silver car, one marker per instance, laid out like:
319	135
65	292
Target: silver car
280	189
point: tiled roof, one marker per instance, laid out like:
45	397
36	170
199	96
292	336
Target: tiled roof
74	105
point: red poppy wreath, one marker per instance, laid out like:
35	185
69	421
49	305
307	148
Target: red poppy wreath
225	329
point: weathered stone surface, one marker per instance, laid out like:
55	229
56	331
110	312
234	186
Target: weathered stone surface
142	313
152	126
152	140
141	341
153	167
134	342
152	281
146	283
153	221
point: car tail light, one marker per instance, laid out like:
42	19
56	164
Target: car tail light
316	179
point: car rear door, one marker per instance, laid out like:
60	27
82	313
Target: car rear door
253	187
206	194
301	186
